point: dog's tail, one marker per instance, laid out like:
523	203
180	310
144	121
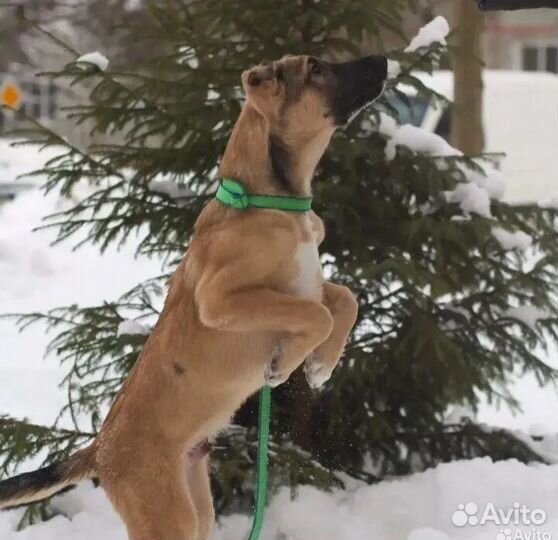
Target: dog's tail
43	483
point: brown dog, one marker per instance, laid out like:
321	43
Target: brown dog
247	306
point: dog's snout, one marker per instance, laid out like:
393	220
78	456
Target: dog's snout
377	65
360	82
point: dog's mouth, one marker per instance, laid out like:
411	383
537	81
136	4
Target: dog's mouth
358	105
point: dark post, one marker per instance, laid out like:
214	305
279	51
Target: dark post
466	131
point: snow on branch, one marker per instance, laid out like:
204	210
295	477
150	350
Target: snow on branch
491	180
132	328
549	202
394	69
528	315
95	58
419	140
471	198
512	240
435	31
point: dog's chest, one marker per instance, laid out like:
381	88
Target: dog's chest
308	278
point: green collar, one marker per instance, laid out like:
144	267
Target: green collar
233	193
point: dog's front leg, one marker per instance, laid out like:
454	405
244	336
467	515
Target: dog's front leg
304	323
233	294
344	308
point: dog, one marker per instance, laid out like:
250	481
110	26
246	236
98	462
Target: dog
247	306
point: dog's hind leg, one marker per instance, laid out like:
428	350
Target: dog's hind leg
155	505
200	490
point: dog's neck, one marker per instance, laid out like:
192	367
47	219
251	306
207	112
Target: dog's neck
267	163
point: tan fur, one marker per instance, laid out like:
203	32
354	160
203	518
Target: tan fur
232	320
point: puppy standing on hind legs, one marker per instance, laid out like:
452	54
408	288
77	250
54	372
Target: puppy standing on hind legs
246	307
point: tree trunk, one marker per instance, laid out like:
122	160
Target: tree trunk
467	111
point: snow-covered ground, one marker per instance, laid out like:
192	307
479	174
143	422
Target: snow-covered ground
34	275
425	506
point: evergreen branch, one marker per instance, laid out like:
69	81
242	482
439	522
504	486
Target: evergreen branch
21	440
57	140
49	35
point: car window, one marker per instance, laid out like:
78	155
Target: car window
412	112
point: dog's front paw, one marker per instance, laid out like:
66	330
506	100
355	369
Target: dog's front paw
272	376
316	372
272	372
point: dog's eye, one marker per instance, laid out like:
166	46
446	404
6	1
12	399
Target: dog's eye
315	66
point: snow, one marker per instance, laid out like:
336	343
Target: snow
36	275
427	534
528	315
171	188
474	195
132	328
512	240
387	125
394	69
419	507
549	202
417	139
15	161
435	31
459	413
189	56
492	181
95	58
471	198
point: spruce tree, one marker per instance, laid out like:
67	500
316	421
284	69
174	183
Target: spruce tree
434	284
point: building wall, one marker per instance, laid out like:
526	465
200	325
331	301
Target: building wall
42	101
513	39
525	39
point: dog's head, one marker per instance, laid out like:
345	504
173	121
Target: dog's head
304	94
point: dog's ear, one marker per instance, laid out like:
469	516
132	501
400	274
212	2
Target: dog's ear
259	78
262	86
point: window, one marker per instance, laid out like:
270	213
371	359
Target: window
551	59
530	59
40	99
540	57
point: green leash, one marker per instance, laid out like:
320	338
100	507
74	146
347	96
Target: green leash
263	452
232	193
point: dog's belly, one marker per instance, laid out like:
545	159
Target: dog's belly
309	278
